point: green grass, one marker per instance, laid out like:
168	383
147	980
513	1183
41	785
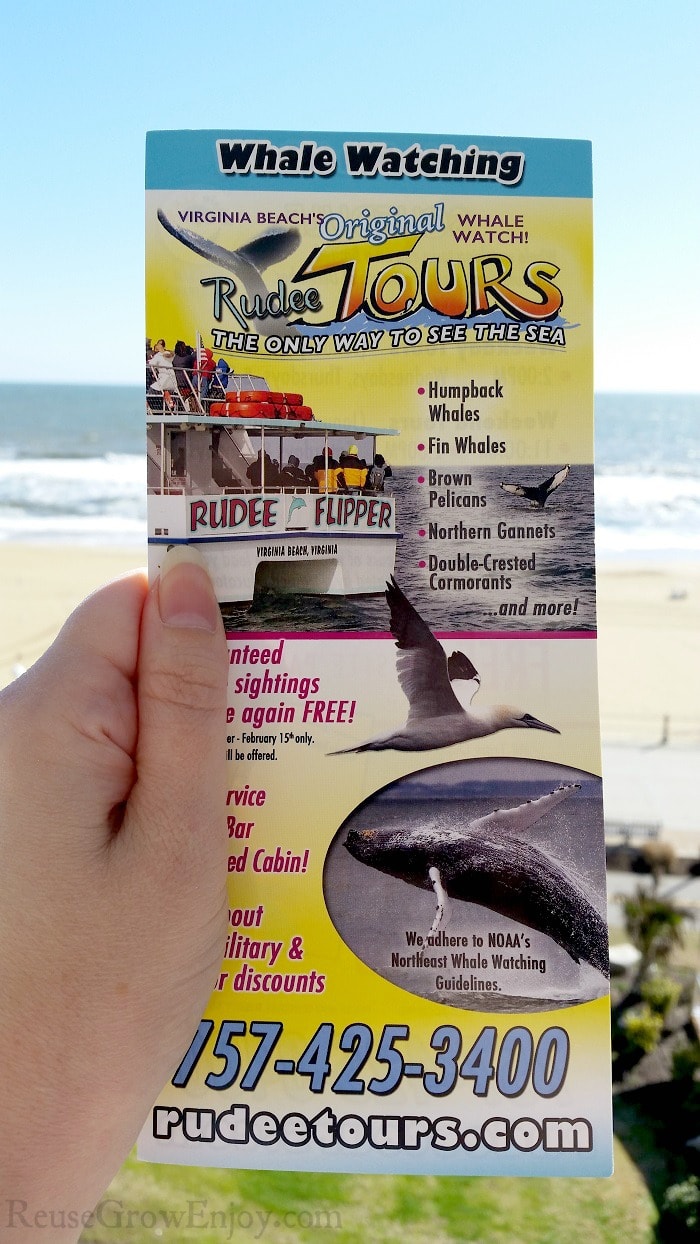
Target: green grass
354	1209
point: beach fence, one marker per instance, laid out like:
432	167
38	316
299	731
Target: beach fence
650	797
632	831
650	730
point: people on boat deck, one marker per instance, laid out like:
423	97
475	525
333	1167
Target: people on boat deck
377	473
219	380
204	372
326	473
182	374
149	371
292	475
255	471
163	372
353	469
184	363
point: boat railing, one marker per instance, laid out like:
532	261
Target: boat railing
177	485
240	461
188	400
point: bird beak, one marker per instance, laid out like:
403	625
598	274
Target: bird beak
534	724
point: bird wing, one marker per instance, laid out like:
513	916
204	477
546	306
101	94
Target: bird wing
421	663
514	820
555	480
461	668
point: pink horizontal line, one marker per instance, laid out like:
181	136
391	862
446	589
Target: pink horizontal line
517	634
387	635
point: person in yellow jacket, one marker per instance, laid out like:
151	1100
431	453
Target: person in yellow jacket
326	472
353	468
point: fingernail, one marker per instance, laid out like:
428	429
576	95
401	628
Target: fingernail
185	593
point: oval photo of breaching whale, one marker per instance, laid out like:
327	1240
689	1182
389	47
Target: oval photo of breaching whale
479	884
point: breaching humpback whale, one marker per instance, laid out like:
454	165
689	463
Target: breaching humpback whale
537	494
435	716
247	263
491	865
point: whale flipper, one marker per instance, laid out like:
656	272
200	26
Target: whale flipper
442	899
515	820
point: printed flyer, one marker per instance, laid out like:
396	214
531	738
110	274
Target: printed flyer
369	406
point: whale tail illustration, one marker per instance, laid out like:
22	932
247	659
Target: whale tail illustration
269	248
248	263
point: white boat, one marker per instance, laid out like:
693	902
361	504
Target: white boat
228	483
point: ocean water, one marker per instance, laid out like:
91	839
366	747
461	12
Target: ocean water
72	469
647	475
72	464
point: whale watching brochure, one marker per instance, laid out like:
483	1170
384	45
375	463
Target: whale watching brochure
369	406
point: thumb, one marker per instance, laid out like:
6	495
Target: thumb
178	798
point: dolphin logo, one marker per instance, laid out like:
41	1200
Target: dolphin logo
298	503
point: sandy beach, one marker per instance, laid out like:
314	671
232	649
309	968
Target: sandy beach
649	652
41	585
648	655
649	686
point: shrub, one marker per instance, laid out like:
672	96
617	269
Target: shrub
686	1062
661	993
642	1027
680	1217
654	925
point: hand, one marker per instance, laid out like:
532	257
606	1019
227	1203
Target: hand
113	904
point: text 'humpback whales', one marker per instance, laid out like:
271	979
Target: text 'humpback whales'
247	263
490	864
537	494
435	716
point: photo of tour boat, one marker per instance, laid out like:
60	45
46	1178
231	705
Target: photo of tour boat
272	497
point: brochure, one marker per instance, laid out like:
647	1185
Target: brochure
369	406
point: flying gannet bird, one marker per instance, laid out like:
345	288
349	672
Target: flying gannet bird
435	716
247	263
537	494
490	864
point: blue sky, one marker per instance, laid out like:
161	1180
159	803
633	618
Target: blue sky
82	82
